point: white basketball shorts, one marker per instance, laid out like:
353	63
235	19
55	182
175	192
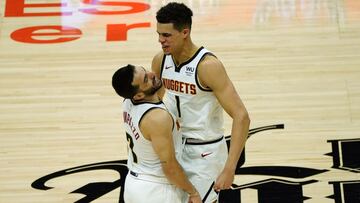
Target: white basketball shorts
143	188
202	164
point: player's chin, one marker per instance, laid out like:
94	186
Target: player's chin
166	50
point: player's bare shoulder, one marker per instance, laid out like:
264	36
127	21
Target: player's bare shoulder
210	61
210	69
156	62
155	119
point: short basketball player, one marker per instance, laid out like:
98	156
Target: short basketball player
197	90
154	173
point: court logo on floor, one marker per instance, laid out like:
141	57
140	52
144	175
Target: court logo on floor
285	184
346	154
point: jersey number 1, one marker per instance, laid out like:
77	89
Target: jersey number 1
178	105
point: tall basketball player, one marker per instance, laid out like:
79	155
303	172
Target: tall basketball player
197	90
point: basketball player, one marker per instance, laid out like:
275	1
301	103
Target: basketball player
154	173
197	90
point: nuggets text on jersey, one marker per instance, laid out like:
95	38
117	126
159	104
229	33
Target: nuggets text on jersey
178	86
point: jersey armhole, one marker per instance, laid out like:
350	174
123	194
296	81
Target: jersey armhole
147	111
152	108
206	89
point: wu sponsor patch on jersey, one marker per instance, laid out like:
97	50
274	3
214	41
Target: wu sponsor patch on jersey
189	71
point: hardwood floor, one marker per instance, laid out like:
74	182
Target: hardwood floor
293	62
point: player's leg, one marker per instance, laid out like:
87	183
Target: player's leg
137	190
203	164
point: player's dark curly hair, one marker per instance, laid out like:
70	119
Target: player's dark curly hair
122	79
177	13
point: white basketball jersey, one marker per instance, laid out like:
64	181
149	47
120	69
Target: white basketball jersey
197	110
142	158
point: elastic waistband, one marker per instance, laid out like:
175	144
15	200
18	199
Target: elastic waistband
148	177
191	141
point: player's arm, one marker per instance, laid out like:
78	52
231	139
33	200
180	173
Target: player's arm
156	68
212	74
157	126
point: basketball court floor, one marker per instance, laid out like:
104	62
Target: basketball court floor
294	63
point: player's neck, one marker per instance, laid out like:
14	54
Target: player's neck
185	53
149	99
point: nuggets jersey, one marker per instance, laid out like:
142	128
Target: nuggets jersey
196	108
142	158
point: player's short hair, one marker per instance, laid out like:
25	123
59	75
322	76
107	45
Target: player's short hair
176	13
122	79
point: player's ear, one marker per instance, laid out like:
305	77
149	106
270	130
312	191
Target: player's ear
138	96
186	32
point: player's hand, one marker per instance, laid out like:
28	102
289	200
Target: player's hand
195	198
224	180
